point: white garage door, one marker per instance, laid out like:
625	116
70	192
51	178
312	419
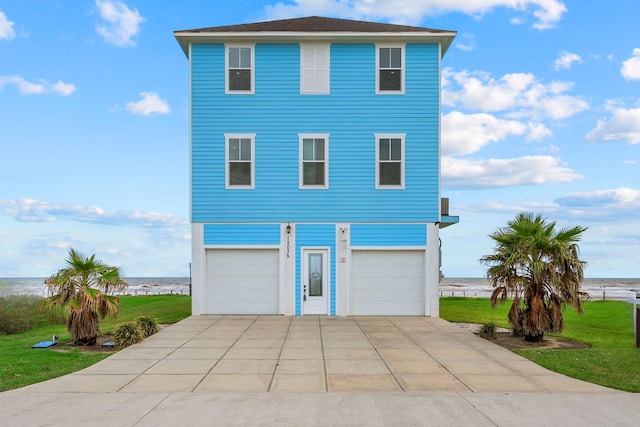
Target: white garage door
242	281
387	283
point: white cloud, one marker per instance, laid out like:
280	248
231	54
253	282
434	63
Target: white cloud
566	60
149	104
468	133
623	125
42	87
609	204
120	24
517	94
630	69
31	210
493	173
547	12
6	27
538	131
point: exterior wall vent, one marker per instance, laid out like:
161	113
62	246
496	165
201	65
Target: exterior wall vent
444	206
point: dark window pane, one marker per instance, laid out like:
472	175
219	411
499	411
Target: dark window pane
234	57
396	58
239	79
245	153
319	149
313	173
390	174
240	173
396	149
234	149
307	149
245	57
383	153
390	79
315	275
385	57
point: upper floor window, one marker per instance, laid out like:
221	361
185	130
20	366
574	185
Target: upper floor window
314	151
240	75
314	68
390	72
390	160
239	159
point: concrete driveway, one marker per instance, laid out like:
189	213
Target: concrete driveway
263	370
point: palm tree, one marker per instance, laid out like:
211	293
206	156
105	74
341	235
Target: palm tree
540	268
85	288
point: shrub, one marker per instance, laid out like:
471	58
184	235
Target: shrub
126	334
19	313
148	325
488	331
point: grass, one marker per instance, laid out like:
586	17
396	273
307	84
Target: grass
612	361
21	365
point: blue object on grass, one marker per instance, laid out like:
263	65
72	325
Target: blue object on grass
44	344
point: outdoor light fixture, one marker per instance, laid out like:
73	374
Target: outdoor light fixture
288	228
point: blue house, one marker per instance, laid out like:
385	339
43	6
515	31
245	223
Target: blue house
315	167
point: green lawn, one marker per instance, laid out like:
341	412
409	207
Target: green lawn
22	365
612	361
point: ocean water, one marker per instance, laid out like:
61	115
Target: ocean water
598	289
137	286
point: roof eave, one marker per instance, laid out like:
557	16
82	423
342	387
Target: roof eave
445	38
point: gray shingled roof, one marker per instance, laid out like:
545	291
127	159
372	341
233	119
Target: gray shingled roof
315	24
314	28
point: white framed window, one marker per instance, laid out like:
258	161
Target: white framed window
390	161
239	161
239	65
389	69
314	68
314	161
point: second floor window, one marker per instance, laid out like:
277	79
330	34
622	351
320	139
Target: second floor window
313	161
239	161
390	161
240	69
390	77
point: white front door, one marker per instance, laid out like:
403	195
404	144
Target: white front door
315	281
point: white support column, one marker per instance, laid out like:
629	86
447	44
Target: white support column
343	271
288	269
432	274
198	270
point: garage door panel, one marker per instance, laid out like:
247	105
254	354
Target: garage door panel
242	281
387	283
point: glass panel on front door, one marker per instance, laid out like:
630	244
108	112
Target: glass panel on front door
315	275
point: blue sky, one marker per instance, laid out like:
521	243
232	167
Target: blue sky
541	113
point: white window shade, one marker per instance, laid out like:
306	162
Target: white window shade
314	68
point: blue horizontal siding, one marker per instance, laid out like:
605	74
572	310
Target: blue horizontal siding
315	235
351	114
388	235
242	234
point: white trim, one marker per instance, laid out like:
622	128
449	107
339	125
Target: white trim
227	137
228	91
190	135
402	48
432	271
403	160
301	138
388	248
326	252
309	84
241	246
198	270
